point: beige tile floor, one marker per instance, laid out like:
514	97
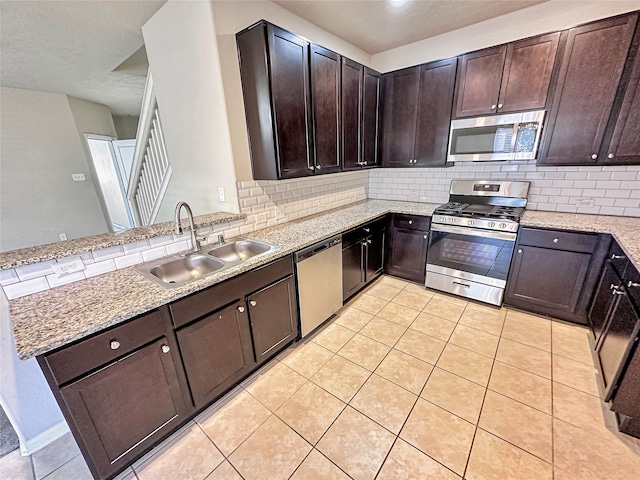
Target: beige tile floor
404	383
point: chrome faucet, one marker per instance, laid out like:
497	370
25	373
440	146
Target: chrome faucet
178	230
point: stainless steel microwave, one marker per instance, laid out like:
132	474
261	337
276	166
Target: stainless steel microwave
513	136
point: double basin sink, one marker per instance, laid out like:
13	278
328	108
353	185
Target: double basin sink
178	270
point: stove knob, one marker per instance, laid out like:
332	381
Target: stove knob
491	224
502	226
469	222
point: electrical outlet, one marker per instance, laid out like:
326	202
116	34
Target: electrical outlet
62	269
585	202
63	236
78	177
221	194
262	217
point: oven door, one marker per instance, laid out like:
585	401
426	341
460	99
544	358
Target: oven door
473	254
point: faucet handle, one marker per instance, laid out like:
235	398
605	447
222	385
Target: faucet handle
220	239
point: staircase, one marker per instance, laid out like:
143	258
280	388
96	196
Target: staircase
151	171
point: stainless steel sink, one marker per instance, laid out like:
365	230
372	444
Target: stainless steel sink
177	270
240	250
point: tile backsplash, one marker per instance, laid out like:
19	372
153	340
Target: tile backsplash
613	190
266	203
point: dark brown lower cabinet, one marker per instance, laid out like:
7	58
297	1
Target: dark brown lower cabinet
216	351
555	273
407	248
120	409
363	254
274	321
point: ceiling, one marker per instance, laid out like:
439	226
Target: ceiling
379	25
93	49
73	47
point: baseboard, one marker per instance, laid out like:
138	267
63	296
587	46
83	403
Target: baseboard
43	439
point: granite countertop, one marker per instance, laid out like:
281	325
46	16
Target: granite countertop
51	251
47	320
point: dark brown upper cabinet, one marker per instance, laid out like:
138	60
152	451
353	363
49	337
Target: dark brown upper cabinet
274	69
360	118
325	107
417	114
590	81
506	78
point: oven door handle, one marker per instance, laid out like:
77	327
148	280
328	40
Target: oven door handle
476	232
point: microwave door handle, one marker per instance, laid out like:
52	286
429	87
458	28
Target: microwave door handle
514	137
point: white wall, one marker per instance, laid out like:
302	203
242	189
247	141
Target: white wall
40	147
126	126
230	18
183	57
544	17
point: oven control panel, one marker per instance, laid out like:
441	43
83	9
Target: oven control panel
500	225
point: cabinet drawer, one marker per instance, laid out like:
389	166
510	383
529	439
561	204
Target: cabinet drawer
411	222
556	240
358	233
90	354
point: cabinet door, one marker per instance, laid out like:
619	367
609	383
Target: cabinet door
325	97
216	351
592	63
374	263
625	141
352	269
546	279
617	341
400	117
370	117
274	318
625	400
351	108
407	257
124	408
289	81
527	73
603	300
478	82
434	112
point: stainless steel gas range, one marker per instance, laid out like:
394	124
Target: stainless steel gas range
473	236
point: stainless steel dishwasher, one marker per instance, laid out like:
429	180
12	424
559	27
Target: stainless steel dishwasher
319	274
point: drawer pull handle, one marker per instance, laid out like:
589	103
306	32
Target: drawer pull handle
318	167
312	168
410	222
610	155
493	107
594	156
114	344
366	229
241	309
499	105
462	284
617	257
633	284
618	292
369	242
426	236
253	303
165	348
556	240
614	287
519	250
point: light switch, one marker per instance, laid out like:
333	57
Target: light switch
78	177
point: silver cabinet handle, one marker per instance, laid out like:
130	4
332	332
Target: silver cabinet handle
594	156
556	240
633	284
425	237
241	309
367	230
318	167
617	257
312	168
519	250
410	222
613	287
618	292
364	163
493	107
499	105
611	155
253	303
114	344
165	348
369	241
